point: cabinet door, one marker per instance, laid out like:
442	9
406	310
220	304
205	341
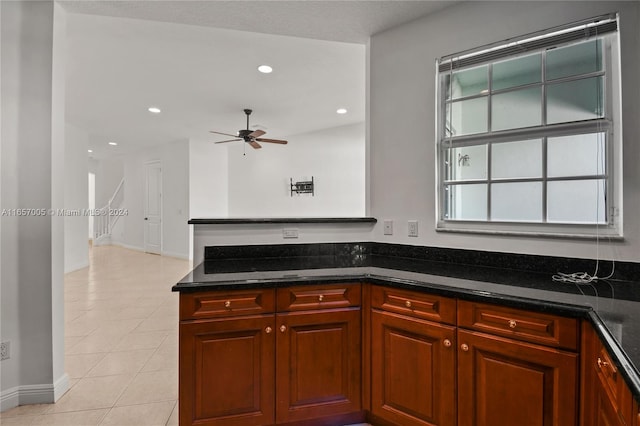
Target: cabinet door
606	400
605	412
227	373
412	371
318	356
504	382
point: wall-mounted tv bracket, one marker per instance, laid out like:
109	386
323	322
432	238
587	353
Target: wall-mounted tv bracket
305	187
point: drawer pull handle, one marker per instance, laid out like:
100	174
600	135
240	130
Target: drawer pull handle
602	363
464	347
320	298
447	343
227	304
407	303
283	328
268	330
513	324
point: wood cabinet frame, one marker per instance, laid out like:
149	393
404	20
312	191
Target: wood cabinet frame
372	326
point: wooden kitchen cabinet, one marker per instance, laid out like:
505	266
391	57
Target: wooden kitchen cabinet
226	372
605	398
508	377
412	360
227	358
413	371
505	382
318	364
267	356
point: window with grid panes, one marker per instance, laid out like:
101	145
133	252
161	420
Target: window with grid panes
529	135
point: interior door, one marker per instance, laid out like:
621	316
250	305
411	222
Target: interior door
153	208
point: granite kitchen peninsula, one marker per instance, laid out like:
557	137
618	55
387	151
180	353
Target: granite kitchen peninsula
339	333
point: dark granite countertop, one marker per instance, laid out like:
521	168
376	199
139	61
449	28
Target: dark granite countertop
279	220
612	306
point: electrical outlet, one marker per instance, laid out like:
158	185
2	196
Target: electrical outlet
289	233
413	228
388	227
5	351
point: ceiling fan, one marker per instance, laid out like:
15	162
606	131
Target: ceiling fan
249	136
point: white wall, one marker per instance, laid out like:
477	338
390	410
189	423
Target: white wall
208	179
402	118
32	247
259	180
109	172
208	183
129	231
76	197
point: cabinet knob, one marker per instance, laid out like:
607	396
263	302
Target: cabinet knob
513	324
407	303
320	298
283	328
268	330
447	343
602	363
464	347
227	304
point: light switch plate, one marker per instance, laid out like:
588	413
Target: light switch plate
388	227
289	233
412	226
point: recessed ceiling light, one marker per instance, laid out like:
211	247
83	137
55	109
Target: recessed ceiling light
113	143
154	110
89	150
341	110
265	69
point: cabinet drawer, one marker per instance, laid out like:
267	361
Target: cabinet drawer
535	327
323	296
414	304
214	304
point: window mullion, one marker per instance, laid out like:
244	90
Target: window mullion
552	130
545	200
544	180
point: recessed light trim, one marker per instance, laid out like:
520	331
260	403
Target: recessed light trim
113	143
155	110
89	150
341	111
265	69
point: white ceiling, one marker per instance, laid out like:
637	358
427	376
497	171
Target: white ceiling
197	60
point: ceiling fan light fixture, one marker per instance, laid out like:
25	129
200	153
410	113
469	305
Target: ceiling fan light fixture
341	111
154	110
265	69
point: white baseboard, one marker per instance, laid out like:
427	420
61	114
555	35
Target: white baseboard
184	256
77	266
46	393
127	246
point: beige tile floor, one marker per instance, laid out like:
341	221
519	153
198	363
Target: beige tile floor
121	344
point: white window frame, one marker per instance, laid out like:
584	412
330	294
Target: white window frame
610	124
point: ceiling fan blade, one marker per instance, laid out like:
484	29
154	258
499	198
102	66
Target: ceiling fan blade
272	141
220	133
256	133
255	144
230	140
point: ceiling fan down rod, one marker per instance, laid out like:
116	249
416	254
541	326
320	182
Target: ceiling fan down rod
248	112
